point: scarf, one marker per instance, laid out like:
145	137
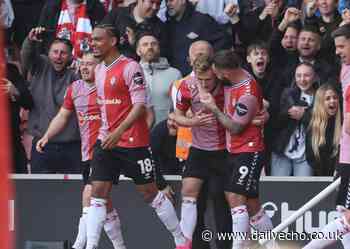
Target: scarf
78	31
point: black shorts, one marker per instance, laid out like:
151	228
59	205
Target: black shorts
202	163
136	163
343	197
244	172
86	173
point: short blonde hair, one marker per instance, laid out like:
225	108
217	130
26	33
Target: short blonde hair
202	63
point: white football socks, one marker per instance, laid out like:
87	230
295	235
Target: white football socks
96	218
166	213
112	228
81	237
188	216
240	226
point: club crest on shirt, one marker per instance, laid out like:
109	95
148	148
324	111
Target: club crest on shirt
241	109
84	44
113	81
64	33
138	78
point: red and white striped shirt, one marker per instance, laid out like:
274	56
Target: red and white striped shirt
240	99
210	137
119	86
81	97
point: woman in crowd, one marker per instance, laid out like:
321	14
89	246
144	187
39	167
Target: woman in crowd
323	124
288	157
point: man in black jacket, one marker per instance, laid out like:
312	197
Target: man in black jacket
50	13
308	46
284	39
327	22
137	18
185	26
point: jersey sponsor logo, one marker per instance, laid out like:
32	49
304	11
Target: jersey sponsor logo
109	101
113	81
85	118
138	78
241	109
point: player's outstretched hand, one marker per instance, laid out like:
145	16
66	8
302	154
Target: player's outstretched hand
41	144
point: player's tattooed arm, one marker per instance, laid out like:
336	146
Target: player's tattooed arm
245	110
227	122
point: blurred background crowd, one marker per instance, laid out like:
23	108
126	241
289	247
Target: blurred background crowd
285	44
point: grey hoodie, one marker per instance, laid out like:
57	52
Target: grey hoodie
159	77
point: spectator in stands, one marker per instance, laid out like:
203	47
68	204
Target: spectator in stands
309	44
284	38
19	97
283	49
111	4
214	8
288	157
50	78
137	18
158	73
323	132
327	22
258	60
254	20
163	144
185	26
72	20
343	5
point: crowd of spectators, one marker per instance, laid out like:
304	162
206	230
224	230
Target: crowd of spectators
285	44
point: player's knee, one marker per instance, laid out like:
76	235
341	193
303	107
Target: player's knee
148	196
189	191
86	195
148	193
99	190
87	191
253	206
235	200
